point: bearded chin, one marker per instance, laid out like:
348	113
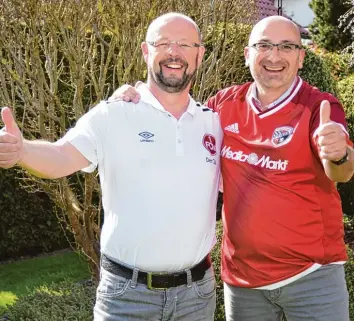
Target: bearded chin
171	84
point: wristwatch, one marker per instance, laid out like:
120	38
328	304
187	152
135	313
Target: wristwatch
342	160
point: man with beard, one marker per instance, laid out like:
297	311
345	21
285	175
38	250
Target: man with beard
285	144
158	163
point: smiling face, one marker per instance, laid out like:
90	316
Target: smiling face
274	70
169	52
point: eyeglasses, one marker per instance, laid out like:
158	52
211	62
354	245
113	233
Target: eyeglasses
265	47
183	45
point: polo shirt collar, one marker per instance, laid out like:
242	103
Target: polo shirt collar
149	98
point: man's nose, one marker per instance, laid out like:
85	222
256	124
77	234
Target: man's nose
274	54
174	48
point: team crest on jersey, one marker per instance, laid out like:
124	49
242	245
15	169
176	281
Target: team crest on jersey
282	135
209	142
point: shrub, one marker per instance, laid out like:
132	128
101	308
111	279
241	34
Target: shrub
28	224
316	72
340	64
325	26
345	89
64	301
349	275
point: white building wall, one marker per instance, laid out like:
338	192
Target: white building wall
298	10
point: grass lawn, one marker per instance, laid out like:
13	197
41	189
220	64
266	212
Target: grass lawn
24	276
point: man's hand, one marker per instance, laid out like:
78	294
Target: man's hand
11	140
126	93
331	137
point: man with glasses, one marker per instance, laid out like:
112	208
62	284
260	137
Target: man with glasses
285	144
159	171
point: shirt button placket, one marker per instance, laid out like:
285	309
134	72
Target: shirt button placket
179	141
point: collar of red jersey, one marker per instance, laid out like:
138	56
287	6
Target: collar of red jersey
288	92
149	98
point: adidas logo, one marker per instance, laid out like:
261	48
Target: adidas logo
234	128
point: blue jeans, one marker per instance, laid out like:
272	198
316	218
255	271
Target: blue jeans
318	296
120	299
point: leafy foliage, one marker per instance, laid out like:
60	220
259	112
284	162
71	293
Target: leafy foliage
316	72
28	223
340	65
345	89
325	27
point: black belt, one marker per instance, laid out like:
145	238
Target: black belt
158	280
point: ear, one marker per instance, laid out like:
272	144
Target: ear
145	51
301	58
201	52
246	55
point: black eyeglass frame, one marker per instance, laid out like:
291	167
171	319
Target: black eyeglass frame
272	45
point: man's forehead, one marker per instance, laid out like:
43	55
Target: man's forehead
280	31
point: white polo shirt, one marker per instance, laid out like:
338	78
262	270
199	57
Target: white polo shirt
159	178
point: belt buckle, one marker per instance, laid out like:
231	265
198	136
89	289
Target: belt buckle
149	281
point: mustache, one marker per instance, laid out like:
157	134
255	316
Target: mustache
173	60
267	63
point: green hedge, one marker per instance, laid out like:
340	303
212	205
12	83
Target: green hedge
316	72
61	302
345	90
341	65
28	223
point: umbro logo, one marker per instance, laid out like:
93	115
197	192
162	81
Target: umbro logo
146	137
234	128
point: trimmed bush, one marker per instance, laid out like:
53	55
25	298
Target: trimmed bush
316	72
64	301
345	90
28	223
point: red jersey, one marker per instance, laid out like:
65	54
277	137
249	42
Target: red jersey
282	213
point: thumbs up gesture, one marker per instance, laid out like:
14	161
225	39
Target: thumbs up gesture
11	141
331	136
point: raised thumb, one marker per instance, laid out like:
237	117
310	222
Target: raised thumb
9	121
324	113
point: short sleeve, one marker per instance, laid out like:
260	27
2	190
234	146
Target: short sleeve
216	102
88	135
